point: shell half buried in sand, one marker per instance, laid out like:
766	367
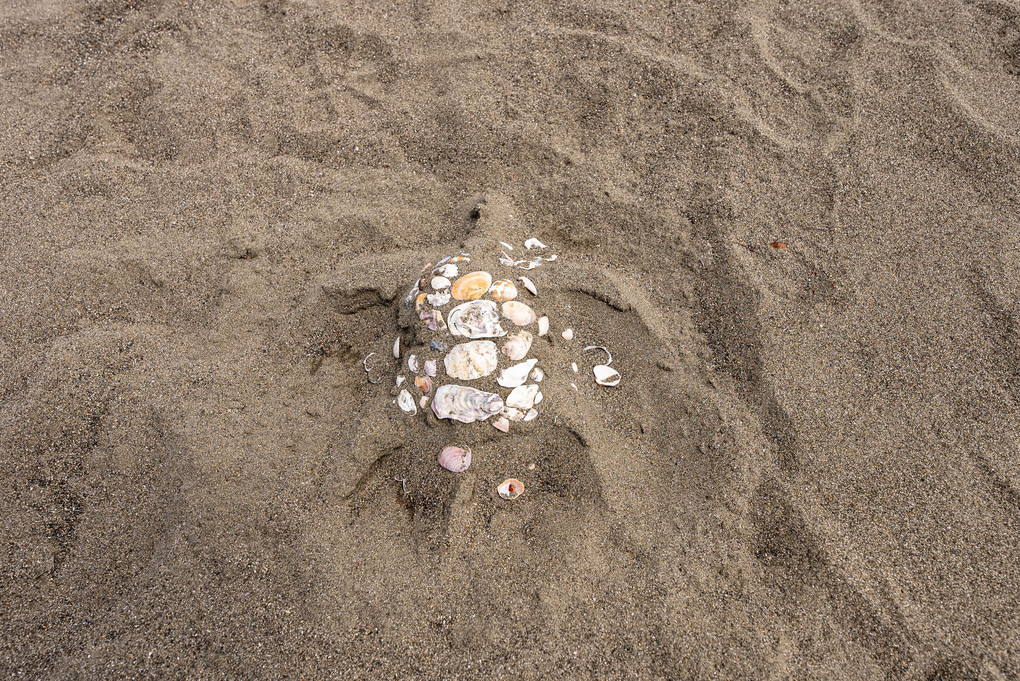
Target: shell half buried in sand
510	488
606	375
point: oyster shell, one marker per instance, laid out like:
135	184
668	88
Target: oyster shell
406	403
518	313
449	271
543	325
516	375
606	375
471	286
464	404
530	285
510	488
455	459
475	319
472	360
517	345
523	397
503	291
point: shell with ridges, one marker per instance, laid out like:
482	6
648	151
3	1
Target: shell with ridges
471	286
510	488
503	290
455	459
464	404
475	319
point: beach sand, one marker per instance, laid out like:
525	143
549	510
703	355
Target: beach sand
797	226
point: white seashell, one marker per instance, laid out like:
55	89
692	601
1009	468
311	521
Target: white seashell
518	313
517	345
516	375
538	397
475	319
574	386
469	361
510	488
438	299
531	415
523	397
440	283
533	243
543	325
502	291
424	401
505	259
465	404
431	367
506	245
400	379
455	459
530	285
412	363
512	414
396	348
537	374
449	271
606	375
501	424
568	334
406	403
573	365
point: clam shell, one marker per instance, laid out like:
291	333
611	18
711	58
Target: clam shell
510	488
433	320
440	283
501	424
523	397
503	290
471	286
412	363
431	368
512	413
530	285
472	360
517	345
438	299
475	319
606	375
455	459
543	325
518	313
516	375
406	403
424	383
464	404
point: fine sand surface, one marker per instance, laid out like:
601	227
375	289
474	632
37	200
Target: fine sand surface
796	224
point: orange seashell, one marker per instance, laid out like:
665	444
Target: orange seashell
424	384
421	299
779	245
503	291
471	286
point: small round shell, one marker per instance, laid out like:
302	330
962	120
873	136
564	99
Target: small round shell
440	283
455	459
503	291
471	286
510	488
568	334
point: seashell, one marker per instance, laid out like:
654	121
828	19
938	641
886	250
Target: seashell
533	243
568	334
419	300
476	319
469	361
506	245
424	401
424	383
412	363
464	404
538	397
516	375
501	424
574	386
505	259
519	313
406	403
440	283
400	380
517	345
537	374
430	367
439	299
503	291
422	284
438	346
523	397
604	349
455	459
510	488
606	375
531	415
543	325
512	413
573	365
449	271
433	320
396	348
471	286
530	285
460	258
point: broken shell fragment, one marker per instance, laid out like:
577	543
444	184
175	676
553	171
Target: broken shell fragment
412	363
440	283
506	245
438	299
475	319
471	286
449	271
512	414
455	459
433	320
503	291
568	334
518	313
406	403
530	285
510	488
543	326
537	374
501	424
531	415
472	360
517	345
573	365
430	367
424	401
421	299
396	348
424	384
603	349
606	375
516	375
464	404
400	380
438	346
533	243
523	397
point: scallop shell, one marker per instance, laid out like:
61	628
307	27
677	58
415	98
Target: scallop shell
510	488
431	367
476	319
438	299
530	285
606	375
516	375
501	424
503	291
455	459
406	403
518	313
472	360
543	325
440	283
471	286
424	383
517	345
523	397
464	404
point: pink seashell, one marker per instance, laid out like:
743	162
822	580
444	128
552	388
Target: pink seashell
518	313
455	459
501	424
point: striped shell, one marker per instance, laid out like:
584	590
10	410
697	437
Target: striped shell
471	286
